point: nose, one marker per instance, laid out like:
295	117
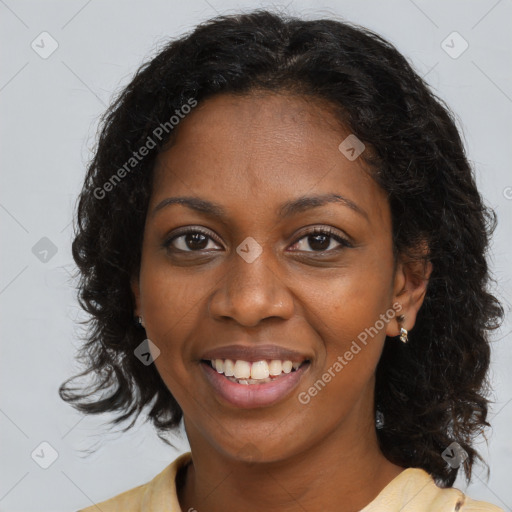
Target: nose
251	292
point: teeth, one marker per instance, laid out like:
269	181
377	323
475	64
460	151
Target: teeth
275	367
259	370
287	366
245	372
242	370
219	365
229	368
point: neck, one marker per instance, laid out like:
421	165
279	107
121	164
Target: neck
347	470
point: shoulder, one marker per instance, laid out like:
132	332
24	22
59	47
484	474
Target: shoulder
157	494
454	499
414	490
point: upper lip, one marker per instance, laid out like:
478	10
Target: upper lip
255	353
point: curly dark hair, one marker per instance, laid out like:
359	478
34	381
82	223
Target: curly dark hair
433	390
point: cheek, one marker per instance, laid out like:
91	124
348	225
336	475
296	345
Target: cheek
169	301
172	311
345	368
349	313
352	297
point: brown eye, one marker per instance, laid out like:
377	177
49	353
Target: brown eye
192	240
320	240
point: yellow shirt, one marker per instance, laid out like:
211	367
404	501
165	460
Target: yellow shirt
413	490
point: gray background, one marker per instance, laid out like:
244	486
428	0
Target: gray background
49	111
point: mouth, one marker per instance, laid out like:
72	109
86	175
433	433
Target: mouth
248	384
257	372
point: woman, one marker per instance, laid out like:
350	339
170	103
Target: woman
287	211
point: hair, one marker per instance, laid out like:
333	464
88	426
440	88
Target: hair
432	391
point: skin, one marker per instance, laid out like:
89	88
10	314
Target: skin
250	154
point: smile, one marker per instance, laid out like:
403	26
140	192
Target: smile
257	372
247	384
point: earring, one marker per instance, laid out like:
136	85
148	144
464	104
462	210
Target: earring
379	420
139	322
403	335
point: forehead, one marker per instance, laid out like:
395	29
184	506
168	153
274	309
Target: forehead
257	150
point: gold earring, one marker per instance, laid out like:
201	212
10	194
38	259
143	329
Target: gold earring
403	335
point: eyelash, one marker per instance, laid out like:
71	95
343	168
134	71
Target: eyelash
322	231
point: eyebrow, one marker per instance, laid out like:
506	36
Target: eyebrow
286	210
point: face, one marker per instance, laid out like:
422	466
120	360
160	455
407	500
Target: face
284	252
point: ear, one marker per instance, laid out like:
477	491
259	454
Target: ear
409	289
134	284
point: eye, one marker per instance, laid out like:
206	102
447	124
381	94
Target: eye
320	239
197	240
190	240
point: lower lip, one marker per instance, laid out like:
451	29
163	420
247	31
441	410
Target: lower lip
248	396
